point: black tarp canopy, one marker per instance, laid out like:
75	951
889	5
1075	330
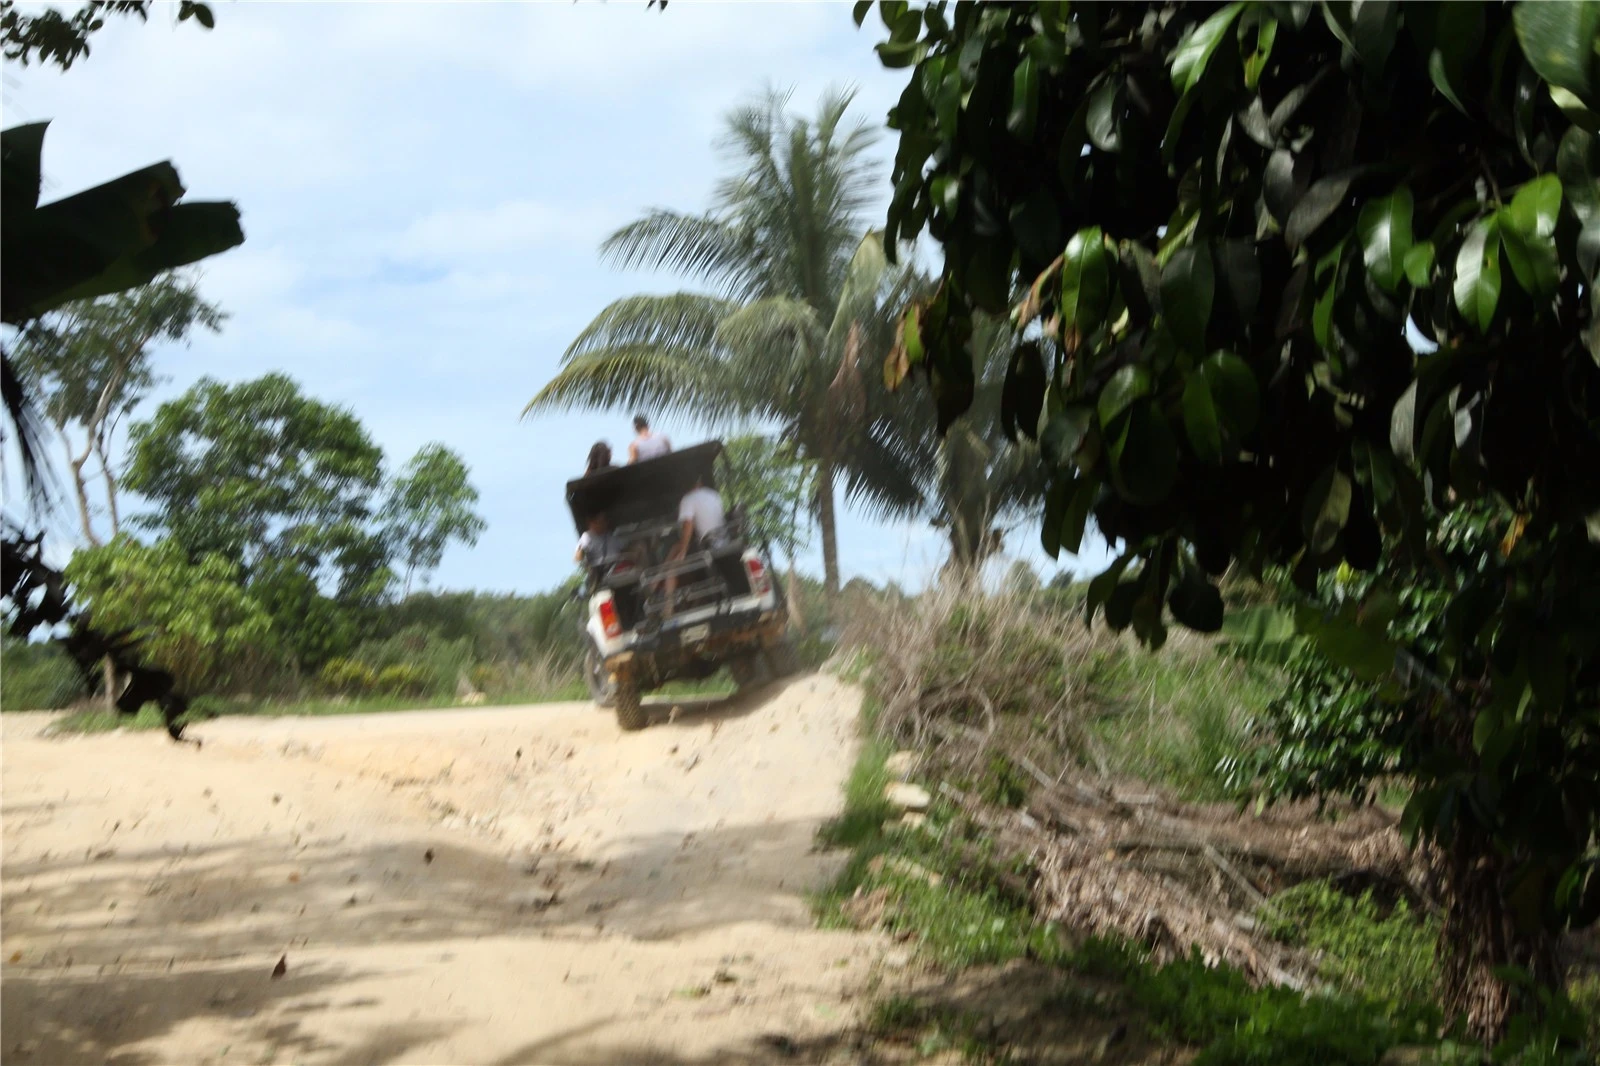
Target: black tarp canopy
644	491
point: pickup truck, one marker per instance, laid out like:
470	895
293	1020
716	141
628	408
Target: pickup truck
725	607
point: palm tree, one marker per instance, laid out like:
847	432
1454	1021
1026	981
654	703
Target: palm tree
800	305
981	478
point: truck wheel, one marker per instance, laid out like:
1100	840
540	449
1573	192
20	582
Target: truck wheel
748	670
630	711
601	687
783	658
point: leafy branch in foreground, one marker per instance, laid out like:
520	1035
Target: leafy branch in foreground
1226	220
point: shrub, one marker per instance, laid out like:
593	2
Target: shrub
1390	957
39	677
346	677
403	679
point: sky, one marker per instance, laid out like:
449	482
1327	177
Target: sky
424	188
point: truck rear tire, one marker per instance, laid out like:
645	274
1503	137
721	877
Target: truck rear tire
630	709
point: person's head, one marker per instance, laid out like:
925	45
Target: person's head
599	457
597	522
641	424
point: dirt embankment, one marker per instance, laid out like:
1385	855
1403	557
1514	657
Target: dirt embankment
487	886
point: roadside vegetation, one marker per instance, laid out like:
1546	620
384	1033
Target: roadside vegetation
1001	707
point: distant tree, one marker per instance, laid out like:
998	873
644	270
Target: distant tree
193	618
90	362
430	504
277	483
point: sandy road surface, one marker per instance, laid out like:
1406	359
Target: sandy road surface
517	885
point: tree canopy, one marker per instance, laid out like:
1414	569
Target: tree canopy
1298	280
430	503
90	361
259	472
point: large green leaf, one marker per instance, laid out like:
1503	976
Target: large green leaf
1536	205
1188	286
1196	603
1578	165
1104	117
1258	31
1127	385
1063	435
1022	395
1189	59
1451	34
1076	515
20	151
1477	282
1559	41
1085	281
1024	98
1200	419
1234	393
1363	650
1384	229
1419	264
1533	259
1327	509
105	239
1145	456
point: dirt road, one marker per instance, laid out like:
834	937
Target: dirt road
518	885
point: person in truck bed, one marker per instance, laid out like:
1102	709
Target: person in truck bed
597	544
702	522
645	444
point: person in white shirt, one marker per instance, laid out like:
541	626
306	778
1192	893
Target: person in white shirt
645	444
597	544
701	519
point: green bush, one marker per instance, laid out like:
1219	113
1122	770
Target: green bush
346	677
1363	951
434	663
38	677
403	679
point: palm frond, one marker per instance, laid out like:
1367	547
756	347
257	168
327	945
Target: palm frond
683	320
653	377
698	246
882	475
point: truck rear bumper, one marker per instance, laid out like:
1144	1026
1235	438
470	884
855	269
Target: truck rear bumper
698	633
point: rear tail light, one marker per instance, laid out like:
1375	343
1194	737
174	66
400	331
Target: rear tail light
760	584
608	618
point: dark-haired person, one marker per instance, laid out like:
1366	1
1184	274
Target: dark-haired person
599	458
645	444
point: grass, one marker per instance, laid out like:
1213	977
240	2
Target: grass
1175	717
1388	956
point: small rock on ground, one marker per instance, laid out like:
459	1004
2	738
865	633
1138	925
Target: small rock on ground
908	797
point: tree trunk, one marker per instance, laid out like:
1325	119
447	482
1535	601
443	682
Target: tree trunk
795	614
108	669
111	486
830	535
1481	934
75	464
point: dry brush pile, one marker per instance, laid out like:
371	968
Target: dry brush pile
996	694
